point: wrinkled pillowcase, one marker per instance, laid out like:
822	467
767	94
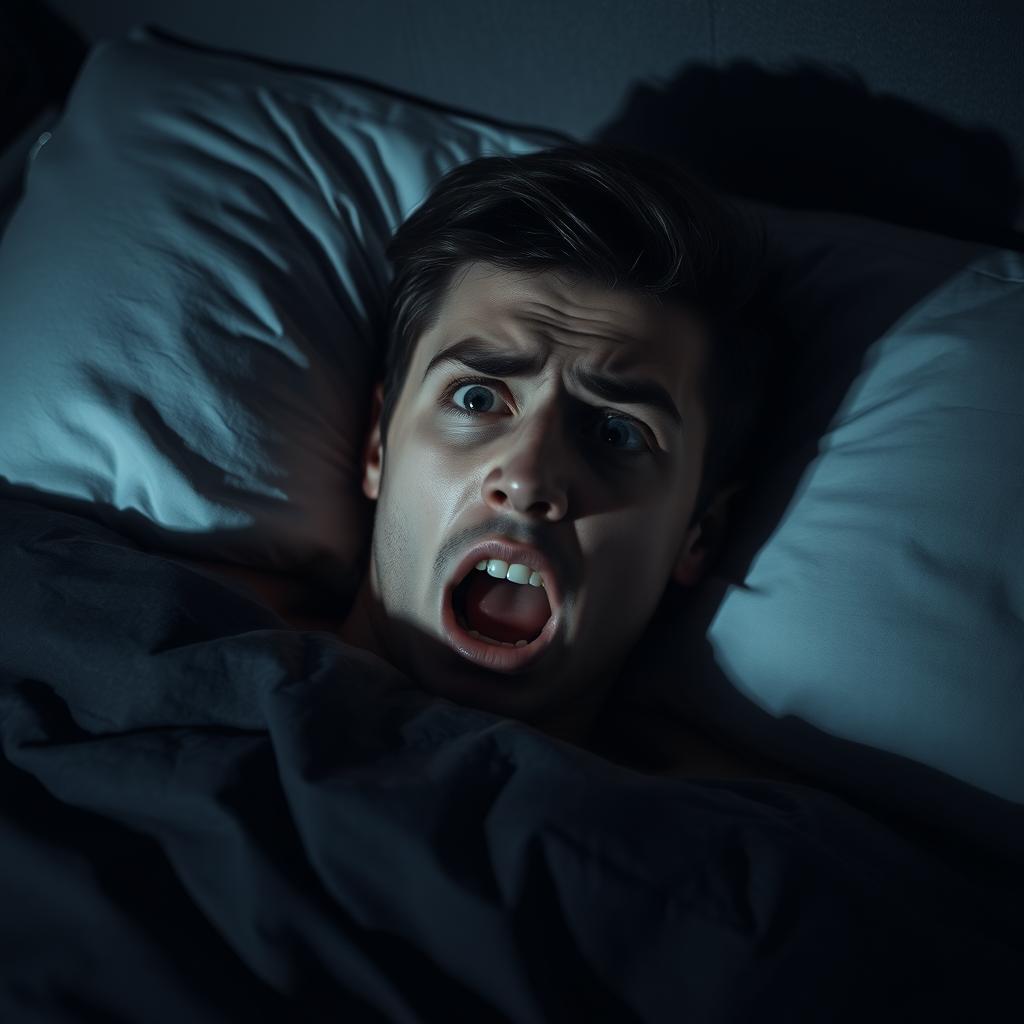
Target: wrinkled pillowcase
866	623
191	294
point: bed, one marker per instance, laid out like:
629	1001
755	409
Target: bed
810	804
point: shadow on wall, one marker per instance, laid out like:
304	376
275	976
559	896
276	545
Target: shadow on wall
812	136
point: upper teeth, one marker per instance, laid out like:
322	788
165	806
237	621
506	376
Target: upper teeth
514	573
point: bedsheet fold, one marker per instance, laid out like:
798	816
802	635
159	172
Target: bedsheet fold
206	816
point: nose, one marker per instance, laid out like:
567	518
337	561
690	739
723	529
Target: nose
529	475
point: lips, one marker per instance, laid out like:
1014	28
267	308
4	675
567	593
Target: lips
510	552
503	659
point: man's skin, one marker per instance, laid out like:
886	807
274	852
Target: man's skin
538	467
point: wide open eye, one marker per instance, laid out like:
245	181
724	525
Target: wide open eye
614	417
474	392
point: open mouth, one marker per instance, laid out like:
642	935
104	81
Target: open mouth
494	654
459	603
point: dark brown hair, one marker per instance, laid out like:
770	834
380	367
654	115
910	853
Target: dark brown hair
614	215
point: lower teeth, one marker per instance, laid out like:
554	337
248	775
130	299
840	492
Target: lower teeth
486	639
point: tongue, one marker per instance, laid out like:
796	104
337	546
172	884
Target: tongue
503	610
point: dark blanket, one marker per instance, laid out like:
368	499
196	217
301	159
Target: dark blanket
209	817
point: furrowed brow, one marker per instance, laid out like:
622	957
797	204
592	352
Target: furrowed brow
483	357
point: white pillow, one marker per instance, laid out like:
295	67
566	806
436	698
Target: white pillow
866	622
191	294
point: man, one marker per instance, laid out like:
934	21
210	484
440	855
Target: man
560	379
559	328
603	502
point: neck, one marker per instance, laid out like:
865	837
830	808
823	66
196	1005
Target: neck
574	723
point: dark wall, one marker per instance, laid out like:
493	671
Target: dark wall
910	111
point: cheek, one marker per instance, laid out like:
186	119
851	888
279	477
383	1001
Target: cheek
426	491
393	542
630	555
441	483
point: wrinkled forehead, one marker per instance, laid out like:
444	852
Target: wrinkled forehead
614	327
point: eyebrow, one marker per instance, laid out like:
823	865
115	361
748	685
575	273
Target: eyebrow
483	357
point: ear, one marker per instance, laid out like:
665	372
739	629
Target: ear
373	455
704	539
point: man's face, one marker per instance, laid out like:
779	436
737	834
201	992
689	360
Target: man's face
608	499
